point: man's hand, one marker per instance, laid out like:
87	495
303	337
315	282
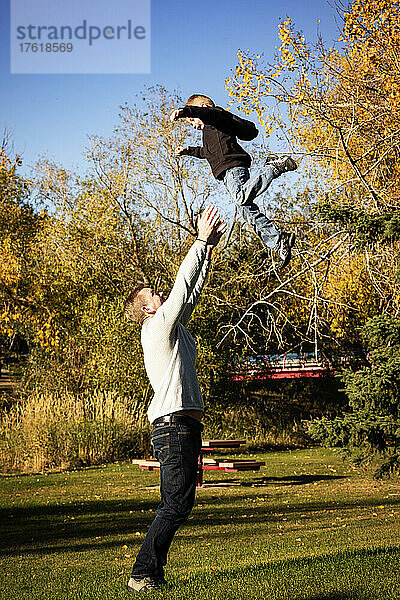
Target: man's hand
217	234
175	114
210	226
179	150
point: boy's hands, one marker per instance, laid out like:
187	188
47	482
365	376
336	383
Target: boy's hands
175	114
179	150
173	117
210	226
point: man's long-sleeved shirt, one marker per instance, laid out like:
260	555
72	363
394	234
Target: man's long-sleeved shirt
220	147
169	349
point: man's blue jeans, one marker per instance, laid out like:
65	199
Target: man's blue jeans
177	447
243	191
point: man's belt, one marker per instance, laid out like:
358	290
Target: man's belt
175	418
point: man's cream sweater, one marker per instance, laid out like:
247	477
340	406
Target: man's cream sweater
169	349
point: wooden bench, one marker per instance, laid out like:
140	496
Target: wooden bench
213	444
220	464
149	464
228	465
232	465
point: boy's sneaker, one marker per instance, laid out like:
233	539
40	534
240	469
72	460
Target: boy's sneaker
147	584
284	248
282	164
270	157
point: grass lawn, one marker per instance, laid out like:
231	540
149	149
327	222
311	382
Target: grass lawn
306	527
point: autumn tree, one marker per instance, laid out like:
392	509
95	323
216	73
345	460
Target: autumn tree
130	220
19	224
338	108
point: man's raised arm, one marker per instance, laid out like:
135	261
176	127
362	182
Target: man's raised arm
191	275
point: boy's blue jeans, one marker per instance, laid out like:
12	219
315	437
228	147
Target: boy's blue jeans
243	191
177	447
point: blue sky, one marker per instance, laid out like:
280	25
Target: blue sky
193	48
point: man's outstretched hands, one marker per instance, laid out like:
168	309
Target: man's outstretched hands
217	234
211	226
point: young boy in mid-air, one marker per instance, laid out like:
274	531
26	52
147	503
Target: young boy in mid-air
230	164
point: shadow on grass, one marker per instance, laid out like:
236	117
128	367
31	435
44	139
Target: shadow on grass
264	481
80	526
330	572
334	596
297	479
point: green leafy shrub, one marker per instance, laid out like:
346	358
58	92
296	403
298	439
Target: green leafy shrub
370	433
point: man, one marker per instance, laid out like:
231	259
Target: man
177	406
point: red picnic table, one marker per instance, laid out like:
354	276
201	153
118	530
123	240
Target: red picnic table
210	464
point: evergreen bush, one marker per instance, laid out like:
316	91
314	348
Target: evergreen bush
370	432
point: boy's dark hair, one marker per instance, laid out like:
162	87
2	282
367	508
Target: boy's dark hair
197	99
132	306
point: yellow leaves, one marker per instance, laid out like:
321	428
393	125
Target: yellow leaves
249	87
47	334
369	19
9	319
349	284
253	85
344	106
293	51
10	271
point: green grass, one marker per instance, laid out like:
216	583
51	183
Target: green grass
306	527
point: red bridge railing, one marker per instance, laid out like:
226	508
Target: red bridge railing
281	369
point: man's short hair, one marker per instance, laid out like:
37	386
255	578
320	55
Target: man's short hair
197	99
133	306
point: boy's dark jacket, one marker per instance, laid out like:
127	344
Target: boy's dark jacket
220	146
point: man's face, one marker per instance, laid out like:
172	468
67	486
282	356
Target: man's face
195	122
151	300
